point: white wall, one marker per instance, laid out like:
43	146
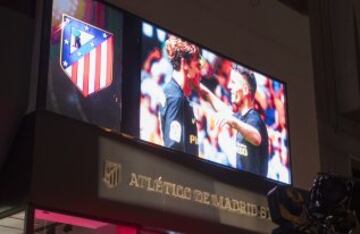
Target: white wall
263	34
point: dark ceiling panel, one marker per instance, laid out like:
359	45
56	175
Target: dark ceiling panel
301	6
26	7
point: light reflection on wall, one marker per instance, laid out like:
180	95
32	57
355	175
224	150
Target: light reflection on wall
57	223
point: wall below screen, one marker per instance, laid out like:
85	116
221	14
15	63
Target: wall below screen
77	177
265	35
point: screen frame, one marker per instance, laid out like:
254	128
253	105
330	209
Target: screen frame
127	125
248	67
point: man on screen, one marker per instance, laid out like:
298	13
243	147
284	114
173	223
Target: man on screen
178	123
252	138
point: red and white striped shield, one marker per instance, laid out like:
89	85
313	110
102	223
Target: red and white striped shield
86	55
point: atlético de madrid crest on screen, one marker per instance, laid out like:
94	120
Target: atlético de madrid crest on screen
86	55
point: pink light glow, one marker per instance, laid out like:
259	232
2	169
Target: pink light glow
125	230
67	219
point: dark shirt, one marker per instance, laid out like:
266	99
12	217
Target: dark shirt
248	156
178	123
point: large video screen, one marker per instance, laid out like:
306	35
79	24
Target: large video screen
85	62
197	102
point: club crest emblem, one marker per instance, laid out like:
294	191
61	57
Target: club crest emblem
112	174
86	55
